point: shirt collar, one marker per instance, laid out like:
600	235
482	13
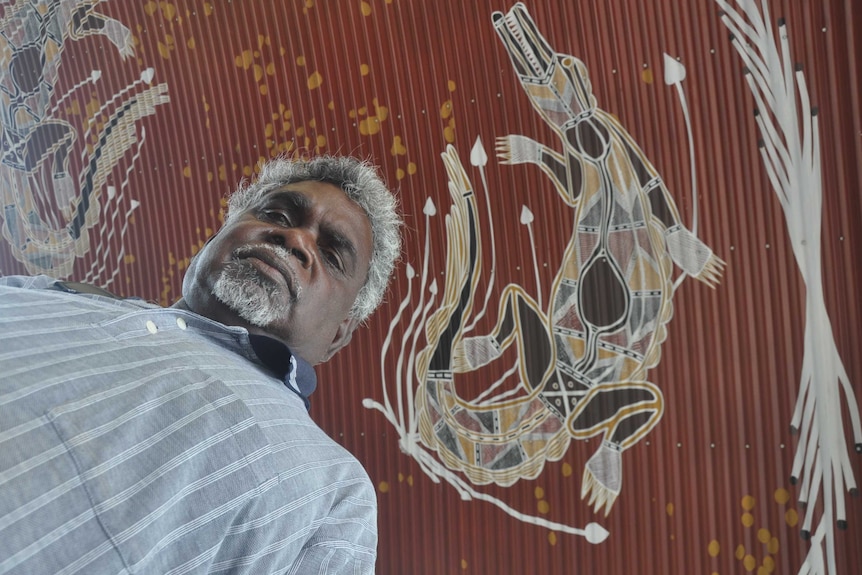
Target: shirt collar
296	373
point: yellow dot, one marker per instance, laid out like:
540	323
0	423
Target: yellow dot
331	105
446	109
451	85
410	480
383	487
315	80
463	564
365	7
245	59
782	496
369	126
762	570
791	517
747	519
749	562
449	134
364	69
552	538
129	259
411	168
567	470
321	141
543	506
539	493
769	564
646	76
747	502
714	548
398	148
399	174
669	509
772	546
740	552
187	172
190	43
300	60
270	69
246	171
263	89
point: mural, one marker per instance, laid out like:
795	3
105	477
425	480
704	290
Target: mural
790	148
47	212
582	362
550	371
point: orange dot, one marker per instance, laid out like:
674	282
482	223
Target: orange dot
365	7
383	487
747	502
772	546
747	519
567	470
647	76
714	548
769	564
552	538
763	535
411	168
740	552
782	496
463	564
543	506
669	509
749	562
539	493
791	517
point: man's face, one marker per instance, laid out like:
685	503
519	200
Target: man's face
289	267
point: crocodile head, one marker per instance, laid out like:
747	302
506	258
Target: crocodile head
558	84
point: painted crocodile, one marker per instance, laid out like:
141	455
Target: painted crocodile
583	361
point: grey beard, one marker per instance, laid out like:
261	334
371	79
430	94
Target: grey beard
254	297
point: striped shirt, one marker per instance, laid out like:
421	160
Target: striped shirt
141	439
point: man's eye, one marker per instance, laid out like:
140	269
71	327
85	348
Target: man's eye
333	259
277	216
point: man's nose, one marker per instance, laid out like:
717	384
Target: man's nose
300	242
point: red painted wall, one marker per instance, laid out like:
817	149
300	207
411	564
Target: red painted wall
708	490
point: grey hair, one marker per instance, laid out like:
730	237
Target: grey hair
361	182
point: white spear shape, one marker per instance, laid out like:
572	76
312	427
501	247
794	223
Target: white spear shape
674	74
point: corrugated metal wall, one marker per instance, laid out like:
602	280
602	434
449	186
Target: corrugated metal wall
708	489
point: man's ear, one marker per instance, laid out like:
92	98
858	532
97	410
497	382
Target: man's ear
342	336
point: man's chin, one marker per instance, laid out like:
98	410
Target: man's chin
255	301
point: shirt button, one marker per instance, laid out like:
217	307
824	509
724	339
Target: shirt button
181	323
151	327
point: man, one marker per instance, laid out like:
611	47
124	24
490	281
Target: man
135	438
